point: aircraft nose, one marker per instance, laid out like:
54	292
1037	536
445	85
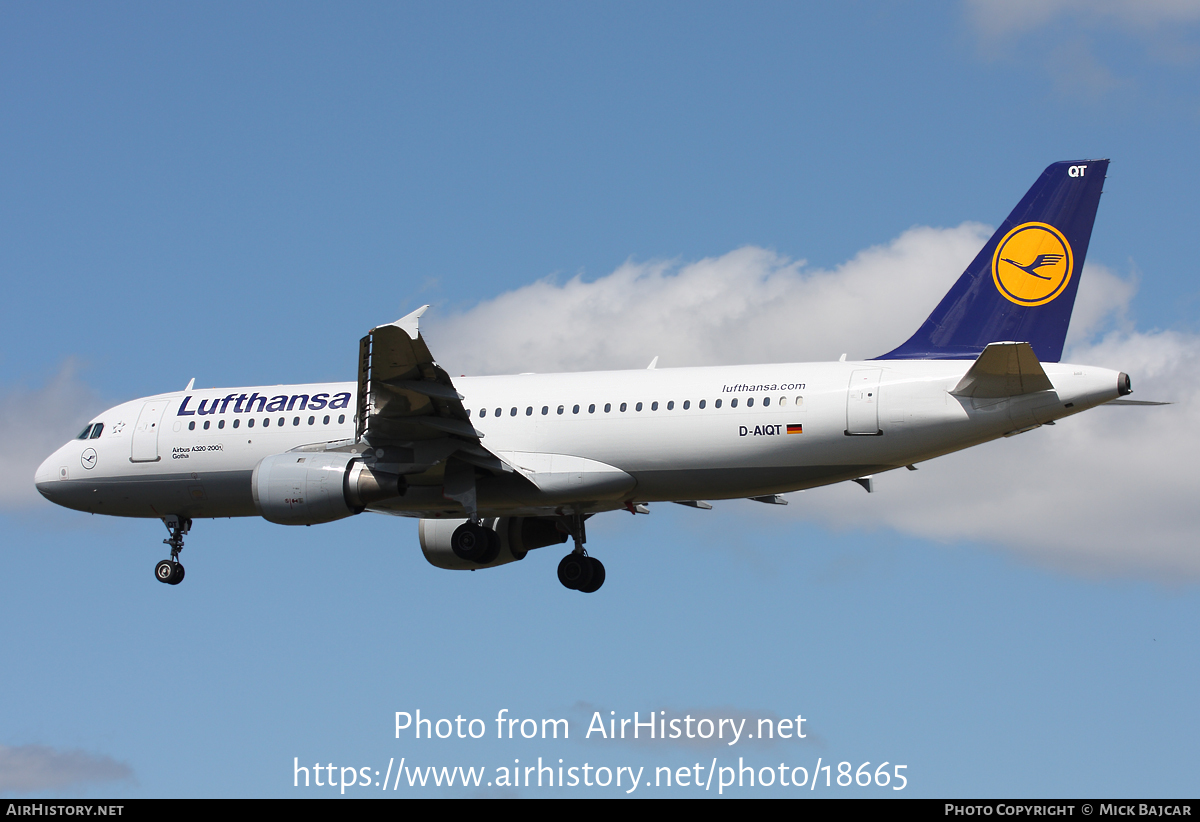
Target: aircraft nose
47	476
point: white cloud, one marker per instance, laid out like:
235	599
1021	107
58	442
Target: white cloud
33	423
1062	36
1104	493
37	768
1000	17
1101	304
750	305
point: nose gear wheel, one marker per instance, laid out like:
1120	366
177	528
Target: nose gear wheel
169	570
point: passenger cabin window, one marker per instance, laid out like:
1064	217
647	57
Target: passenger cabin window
637	407
717	404
623	406
749	402
545	410
560	409
192	425
654	406
237	423
529	411
206	424
513	412
687	404
701	403
732	403
575	409
766	401
341	418
671	405
607	407
220	424
592	408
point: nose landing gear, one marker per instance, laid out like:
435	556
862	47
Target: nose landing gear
169	570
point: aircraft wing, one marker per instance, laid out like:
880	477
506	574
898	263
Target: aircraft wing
406	399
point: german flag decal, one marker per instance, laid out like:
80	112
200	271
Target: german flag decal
795	429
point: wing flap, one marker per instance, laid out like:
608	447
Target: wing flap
405	397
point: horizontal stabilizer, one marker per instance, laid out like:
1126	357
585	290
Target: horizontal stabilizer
1004	369
1136	402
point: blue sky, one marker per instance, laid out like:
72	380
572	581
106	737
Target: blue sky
237	193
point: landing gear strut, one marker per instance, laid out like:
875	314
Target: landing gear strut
577	570
169	570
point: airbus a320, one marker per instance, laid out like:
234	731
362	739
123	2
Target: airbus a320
495	467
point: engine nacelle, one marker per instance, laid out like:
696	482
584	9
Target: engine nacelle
306	488
518	536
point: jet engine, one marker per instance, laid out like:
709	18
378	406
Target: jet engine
306	488
516	537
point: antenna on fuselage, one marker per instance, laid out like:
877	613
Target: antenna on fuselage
191	382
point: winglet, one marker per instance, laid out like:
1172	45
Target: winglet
408	323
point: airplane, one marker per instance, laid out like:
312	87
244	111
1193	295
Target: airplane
494	467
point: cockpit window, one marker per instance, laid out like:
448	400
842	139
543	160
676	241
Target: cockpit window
96	429
83	435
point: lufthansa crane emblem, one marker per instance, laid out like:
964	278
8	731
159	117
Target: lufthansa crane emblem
1032	264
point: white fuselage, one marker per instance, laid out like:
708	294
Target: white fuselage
763	429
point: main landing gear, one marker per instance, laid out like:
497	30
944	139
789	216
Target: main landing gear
577	570
478	544
169	570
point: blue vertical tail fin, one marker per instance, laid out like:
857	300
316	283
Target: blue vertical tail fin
1021	286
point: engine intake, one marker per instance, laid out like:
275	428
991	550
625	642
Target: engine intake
518	536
